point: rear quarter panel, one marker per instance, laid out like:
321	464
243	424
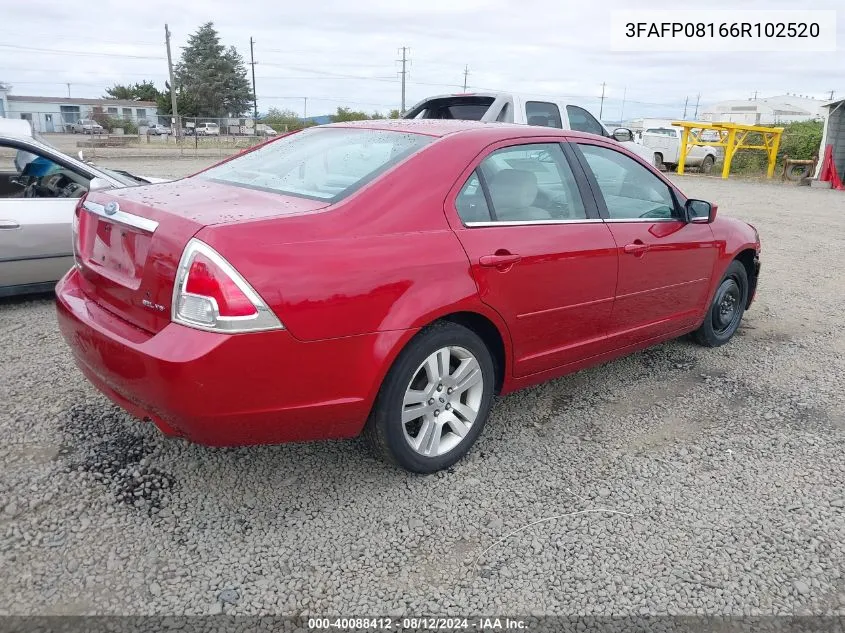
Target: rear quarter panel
385	258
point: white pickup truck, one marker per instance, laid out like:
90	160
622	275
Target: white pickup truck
665	144
512	108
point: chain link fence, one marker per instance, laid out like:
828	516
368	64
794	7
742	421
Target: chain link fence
143	135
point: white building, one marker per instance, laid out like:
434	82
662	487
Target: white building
53	114
776	110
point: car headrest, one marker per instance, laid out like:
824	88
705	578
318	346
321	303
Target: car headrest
513	189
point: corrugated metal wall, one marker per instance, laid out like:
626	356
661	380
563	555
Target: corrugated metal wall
836	137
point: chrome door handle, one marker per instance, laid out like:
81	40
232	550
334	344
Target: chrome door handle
9	224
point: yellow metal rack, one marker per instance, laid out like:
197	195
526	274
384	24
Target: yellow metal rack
732	137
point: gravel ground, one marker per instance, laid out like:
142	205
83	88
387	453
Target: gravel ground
677	480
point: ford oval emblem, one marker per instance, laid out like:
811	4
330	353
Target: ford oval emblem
111	208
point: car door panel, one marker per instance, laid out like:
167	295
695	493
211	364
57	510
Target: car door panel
557	299
35	246
552	280
665	263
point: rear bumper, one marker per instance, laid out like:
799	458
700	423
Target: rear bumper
223	390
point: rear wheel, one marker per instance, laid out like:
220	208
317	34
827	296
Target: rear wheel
725	312
434	401
658	161
707	164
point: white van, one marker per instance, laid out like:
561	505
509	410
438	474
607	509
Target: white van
512	108
208	129
665	144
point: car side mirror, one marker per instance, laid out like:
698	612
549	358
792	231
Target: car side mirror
700	211
623	135
98	184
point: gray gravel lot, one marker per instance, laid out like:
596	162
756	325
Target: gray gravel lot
677	480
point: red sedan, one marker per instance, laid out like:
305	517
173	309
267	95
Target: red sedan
390	277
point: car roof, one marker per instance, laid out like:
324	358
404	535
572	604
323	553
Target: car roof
15	128
444	127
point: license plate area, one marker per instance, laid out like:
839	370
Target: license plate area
113	250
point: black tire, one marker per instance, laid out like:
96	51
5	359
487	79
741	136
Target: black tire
658	161
385	431
726	308
707	164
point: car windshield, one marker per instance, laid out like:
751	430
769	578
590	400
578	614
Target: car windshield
320	163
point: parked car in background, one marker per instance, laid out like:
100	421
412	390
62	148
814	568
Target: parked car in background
207	129
665	143
86	126
512	108
39	189
262	129
157	129
389	277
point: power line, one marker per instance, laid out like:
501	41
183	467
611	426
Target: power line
32	49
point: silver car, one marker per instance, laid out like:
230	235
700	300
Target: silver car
39	189
86	126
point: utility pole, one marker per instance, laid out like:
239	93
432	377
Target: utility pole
686	102
697	100
601	107
622	110
404	61
254	94
755	95
466	73
176	120
832	92
304	107
68	91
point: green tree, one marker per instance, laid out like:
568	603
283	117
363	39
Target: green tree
801	140
347	114
211	80
281	120
394	113
141	91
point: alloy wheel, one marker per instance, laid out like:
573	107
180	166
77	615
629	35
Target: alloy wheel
442	401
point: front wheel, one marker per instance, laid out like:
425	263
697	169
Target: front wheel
434	401
725	312
707	164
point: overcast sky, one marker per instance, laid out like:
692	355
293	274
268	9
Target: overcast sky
343	53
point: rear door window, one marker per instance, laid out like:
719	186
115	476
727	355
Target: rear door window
582	121
525	183
542	113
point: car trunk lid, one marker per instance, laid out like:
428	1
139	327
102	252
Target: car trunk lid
128	243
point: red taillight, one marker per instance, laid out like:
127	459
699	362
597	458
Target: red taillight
206	279
210	294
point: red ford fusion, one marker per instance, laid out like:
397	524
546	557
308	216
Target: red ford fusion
389	277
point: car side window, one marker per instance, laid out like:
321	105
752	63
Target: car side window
471	202
542	113
629	189
524	183
582	121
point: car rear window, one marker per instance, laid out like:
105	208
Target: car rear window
465	108
320	163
